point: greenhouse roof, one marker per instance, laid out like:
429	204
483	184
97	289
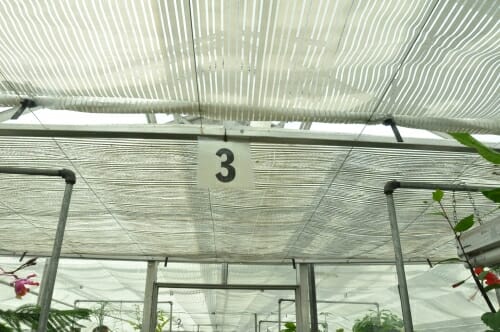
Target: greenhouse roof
426	64
131	95
316	196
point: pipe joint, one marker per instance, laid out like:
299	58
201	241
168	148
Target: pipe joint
68	175
391	186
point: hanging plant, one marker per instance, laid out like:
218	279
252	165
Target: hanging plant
486	278
20	284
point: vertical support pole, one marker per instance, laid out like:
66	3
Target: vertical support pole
150	298
50	277
224	273
302	299
171	316
42	287
312	298
42	282
400	269
255	321
279	314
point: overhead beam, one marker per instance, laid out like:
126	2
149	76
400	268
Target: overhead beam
255	135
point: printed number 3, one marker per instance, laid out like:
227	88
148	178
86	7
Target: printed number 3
231	172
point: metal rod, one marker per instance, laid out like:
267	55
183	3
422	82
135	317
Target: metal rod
116	301
187	132
279	309
42	283
302	309
400	269
154	309
171	316
229	286
50	279
443	186
255	322
150	303
313	309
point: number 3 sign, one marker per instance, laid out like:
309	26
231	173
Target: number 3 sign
224	164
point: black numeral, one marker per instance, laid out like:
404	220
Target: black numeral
231	172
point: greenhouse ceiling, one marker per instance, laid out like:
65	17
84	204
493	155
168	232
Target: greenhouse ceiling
430	65
426	64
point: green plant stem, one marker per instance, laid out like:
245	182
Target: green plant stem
469	264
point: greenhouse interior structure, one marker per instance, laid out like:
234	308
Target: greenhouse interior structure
249	165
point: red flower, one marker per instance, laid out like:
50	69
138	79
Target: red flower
478	270
21	283
491	279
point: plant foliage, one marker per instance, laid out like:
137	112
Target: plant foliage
492	320
484	151
385	321
28	315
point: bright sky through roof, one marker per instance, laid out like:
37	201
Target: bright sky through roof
63	117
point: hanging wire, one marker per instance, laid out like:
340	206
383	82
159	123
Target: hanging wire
476	211
454	206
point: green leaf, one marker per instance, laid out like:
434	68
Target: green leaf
464	224
437	196
484	151
289	325
482	275
492	319
490	287
493	195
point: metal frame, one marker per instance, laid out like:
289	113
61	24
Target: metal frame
157	285
266	321
252	134
389	189
170	303
50	279
325	301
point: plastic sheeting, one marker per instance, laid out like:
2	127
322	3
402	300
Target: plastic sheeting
428	64
138	198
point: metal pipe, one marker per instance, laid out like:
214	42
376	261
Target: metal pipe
279	309
376	304
148	324
266	321
313	309
302	309
391	186
400	269
254	135
389	189
49	277
54	260
228	287
255	322
154	308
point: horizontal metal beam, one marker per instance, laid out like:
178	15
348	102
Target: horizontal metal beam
228	287
140	258
255	135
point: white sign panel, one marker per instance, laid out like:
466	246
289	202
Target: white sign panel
224	164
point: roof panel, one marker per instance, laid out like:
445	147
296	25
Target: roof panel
137	198
430	65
